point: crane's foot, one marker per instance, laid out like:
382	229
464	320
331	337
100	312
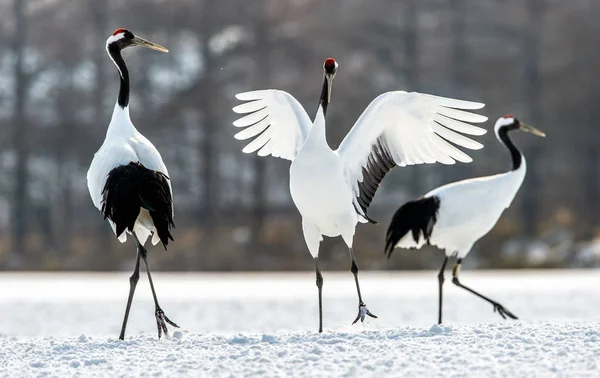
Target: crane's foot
162	321
503	312
362	312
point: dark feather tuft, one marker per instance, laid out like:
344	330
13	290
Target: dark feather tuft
131	187
379	163
418	216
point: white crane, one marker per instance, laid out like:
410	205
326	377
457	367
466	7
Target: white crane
454	216
128	181
333	189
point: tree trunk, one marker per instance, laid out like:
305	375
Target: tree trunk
260	184
209	142
410	41
460	79
533	94
20	135
99	19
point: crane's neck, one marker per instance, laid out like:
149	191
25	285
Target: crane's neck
120	123
324	99
517	157
317	132
115	54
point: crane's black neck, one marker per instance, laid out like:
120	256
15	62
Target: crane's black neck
115	54
324	100
517	158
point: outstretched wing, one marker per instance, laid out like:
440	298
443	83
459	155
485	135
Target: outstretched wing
275	123
400	128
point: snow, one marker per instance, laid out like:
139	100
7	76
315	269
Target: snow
264	324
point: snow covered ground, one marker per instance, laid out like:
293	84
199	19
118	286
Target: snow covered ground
264	325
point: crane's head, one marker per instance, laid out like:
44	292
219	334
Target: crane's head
123	38
330	66
509	122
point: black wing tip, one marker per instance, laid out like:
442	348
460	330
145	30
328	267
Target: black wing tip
418	217
390	244
165	242
164	232
370	220
388	252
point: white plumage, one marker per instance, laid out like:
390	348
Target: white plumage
333	189
124	144
287	122
454	216
128	180
414	128
468	210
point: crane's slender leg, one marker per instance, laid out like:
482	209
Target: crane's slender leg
133	280
441	284
313	239
161	318
497	306
320	287
362	308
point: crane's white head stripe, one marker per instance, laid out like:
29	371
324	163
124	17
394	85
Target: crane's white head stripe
115	38
503	121
112	39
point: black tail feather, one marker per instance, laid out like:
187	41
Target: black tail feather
131	187
418	216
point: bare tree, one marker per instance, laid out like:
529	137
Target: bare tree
533	90
20	125
55	110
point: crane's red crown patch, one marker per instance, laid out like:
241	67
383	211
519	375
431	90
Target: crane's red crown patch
508	116
329	62
120	30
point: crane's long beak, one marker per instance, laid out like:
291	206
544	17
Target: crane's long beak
531	129
329	85
137	41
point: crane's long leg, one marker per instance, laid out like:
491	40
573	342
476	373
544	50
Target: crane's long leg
161	318
313	239
362	308
440	288
133	280
320	287
497	306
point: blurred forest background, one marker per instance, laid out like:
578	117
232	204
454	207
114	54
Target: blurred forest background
537	59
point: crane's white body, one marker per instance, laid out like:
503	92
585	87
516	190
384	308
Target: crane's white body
468	210
411	127
320	190
124	144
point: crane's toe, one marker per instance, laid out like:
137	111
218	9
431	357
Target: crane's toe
162	321
504	312
363	311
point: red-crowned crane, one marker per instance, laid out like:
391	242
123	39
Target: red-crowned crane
333	189
128	180
454	216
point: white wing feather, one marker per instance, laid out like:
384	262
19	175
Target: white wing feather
404	129
109	156
276	123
